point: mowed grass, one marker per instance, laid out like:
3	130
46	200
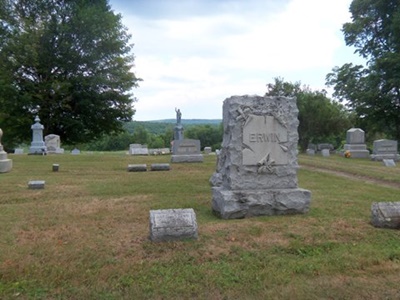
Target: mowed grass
85	236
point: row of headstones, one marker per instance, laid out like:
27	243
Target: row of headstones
355	145
140	149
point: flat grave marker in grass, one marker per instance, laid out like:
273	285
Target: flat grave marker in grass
172	225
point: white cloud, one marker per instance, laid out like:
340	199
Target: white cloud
194	63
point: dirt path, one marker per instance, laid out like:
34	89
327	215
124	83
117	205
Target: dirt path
365	179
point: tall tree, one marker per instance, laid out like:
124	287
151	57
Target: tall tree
69	61
372	92
320	119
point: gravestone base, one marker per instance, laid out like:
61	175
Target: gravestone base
190	158
5	165
381	157
357	150
385	214
137	168
160	167
236	204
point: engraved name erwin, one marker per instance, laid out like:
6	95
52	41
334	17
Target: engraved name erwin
264	138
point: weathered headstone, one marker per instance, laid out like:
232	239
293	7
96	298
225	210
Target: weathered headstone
18	151
324	146
55	167
257	166
5	163
385	214
173	224
37	146
138	149
36	184
325	152
53	144
137	168
207	150
385	149
355	143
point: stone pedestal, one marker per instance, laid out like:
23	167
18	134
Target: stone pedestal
38	146
5	163
385	149
257	165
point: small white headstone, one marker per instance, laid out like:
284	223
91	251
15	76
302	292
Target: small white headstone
19	151
36	184
389	162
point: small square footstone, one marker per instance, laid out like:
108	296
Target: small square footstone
172	225
160	167
56	167
36	184
385	214
137	168
389	162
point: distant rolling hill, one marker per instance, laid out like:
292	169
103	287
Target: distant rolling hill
160	126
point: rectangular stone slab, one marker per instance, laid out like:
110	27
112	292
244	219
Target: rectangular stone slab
172	224
137	168
36	184
160	167
385	214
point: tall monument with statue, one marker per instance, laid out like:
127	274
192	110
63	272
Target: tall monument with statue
5	163
256	170
184	150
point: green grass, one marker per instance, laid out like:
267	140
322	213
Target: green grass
85	236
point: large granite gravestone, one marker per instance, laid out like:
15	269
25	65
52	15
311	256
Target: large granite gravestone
355	143
385	149
385	214
172	224
37	146
257	165
5	163
53	144
184	150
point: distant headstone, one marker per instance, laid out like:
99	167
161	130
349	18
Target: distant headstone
312	146
37	146
173	224
310	152
355	143
36	184
389	162
385	149
138	149
56	167
385	214
137	168
186	150
325	152
207	150
18	151
257	166
5	163
53	144
160	167
75	151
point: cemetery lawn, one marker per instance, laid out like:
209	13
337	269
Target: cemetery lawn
85	236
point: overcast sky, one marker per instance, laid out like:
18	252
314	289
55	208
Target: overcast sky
193	54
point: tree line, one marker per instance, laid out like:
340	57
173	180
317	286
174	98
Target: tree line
59	62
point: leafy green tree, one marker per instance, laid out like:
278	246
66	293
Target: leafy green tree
141	135
320	119
69	61
372	92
